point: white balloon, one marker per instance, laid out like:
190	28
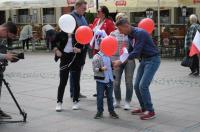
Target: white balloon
67	23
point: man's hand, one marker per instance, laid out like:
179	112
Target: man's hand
104	68
77	50
116	64
10	56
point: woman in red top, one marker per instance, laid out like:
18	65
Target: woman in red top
102	26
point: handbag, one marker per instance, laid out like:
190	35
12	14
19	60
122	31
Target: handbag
187	61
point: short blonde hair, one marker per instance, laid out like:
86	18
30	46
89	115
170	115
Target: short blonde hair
121	15
193	19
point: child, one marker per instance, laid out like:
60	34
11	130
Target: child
104	79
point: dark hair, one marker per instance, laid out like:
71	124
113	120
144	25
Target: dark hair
11	27
105	11
80	2
121	22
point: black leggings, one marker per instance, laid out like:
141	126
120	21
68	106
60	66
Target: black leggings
64	74
26	41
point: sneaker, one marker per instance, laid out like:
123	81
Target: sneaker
82	96
3	115
147	115
75	106
98	115
59	107
137	111
127	106
114	115
116	104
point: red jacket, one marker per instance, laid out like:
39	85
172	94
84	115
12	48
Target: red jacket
108	25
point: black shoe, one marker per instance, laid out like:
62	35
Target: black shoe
191	73
98	115
82	96
94	95
195	73
114	115
3	115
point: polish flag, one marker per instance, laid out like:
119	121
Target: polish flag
195	49
123	54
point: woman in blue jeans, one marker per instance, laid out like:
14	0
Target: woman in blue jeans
141	46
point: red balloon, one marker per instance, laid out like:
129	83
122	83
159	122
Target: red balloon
147	24
83	35
109	45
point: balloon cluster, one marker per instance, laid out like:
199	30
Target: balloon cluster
84	35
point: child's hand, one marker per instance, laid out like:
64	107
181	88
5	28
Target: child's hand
104	68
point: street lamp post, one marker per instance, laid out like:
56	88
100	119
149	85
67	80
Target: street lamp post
184	14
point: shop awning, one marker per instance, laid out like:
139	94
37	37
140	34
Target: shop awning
21	4
140	5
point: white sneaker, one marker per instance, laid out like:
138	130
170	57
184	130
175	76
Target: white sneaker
59	107
75	106
127	106
117	104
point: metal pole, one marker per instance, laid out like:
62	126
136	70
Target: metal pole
97	5
159	22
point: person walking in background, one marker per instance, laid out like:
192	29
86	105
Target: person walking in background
193	28
102	22
128	67
141	46
49	35
26	35
104	82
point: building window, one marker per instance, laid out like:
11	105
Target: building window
137	16
2	17
23	16
181	19
49	15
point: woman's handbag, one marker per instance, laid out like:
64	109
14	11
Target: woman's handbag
187	61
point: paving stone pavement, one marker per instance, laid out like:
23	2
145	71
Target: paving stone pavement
34	82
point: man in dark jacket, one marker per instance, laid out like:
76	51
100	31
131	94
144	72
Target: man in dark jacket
7	30
141	46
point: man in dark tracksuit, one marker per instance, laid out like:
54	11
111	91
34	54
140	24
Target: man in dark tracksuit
143	47
80	21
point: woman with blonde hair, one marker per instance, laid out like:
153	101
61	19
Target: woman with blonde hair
128	67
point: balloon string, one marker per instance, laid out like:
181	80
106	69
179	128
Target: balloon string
68	65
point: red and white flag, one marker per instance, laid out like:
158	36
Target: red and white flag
123	54
195	49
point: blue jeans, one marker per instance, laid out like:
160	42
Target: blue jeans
101	87
128	68
145	74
